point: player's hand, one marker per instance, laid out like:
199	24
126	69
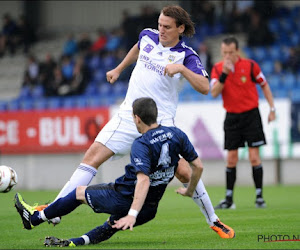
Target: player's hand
172	69
271	117
227	66
183	192
126	222
112	76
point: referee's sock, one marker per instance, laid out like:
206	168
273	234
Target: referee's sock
230	181
257	172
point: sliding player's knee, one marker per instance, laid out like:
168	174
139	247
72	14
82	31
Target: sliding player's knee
80	193
183	172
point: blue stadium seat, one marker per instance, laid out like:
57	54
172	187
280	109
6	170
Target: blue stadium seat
105	88
54	103
3	106
13	105
40	104
69	102
274	81
260	53
25	92
81	102
37	91
26	104
288	81
280	93
267	67
119	89
249	53
94	101
274	52
91	89
295	95
99	75
274	25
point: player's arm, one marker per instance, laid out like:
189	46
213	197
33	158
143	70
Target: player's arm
197	169
269	97
200	83
129	59
218	83
140	194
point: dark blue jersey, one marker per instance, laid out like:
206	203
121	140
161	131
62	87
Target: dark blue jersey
156	154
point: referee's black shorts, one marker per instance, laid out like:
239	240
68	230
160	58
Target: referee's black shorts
242	128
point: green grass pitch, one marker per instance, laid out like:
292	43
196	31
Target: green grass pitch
179	223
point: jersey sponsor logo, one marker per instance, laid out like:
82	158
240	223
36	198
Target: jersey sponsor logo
138	161
171	58
243	79
162	176
152	65
162	137
148	48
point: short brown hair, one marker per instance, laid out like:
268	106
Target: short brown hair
181	17
231	39
146	109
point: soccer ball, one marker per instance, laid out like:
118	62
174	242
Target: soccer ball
8	179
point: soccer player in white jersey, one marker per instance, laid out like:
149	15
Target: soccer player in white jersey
162	62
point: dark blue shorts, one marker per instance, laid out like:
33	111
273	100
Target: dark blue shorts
104	198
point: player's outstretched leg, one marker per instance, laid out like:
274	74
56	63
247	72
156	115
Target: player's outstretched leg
223	230
25	211
51	241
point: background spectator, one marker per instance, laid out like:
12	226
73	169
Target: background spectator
258	32
205	57
31	75
8	35
70	46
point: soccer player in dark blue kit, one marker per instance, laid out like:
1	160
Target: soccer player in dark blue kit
133	198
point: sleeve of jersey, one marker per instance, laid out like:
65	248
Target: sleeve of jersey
140	157
149	32
187	149
193	63
214	76
258	74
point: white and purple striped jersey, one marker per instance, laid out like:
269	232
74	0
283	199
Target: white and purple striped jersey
148	79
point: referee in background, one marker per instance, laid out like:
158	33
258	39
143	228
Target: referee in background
236	78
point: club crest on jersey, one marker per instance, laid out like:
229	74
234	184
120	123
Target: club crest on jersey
148	48
171	58
243	79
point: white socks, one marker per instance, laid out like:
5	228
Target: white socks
82	176
201	198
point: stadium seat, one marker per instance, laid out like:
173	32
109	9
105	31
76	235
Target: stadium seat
26	104
295	95
267	67
91	89
94	101
274	52
54	103
69	102
24	92
3	106
37	91
40	104
259	53
274	82
13	105
81	102
280	93
288	81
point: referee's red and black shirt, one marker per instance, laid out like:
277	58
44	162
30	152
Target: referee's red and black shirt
239	93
